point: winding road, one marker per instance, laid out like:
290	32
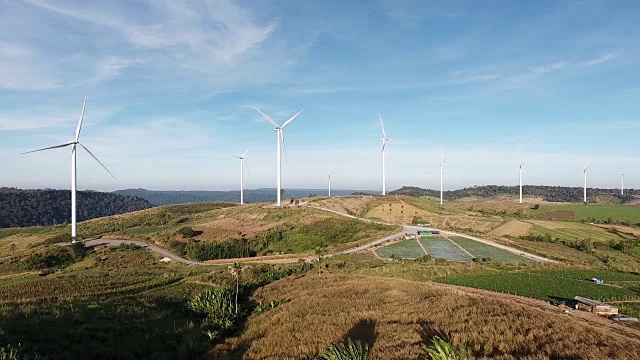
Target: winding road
291	259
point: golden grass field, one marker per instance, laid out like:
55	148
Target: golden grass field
397	316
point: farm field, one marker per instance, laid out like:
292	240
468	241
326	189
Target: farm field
628	213
439	247
406	249
574	233
480	250
588	274
512	228
540	285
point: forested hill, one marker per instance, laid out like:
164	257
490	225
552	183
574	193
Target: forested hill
548	193
48	207
170	197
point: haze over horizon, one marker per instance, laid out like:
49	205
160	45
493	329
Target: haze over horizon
169	86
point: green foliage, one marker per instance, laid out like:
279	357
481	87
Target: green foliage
424	259
11	352
55	257
49	207
443	350
264	307
347	350
229	249
536	207
186	232
217	308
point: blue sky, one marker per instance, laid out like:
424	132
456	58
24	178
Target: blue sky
169	84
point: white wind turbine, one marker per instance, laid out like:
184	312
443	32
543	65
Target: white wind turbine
243	164
520	168
73	143
442	162
622	184
279	137
329	179
586	167
384	143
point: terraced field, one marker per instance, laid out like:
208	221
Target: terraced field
439	247
512	228
480	250
406	249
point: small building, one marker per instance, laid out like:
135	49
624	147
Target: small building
595	306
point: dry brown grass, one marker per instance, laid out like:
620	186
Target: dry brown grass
512	228
352	205
398	212
397	316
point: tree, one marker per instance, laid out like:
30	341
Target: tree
236	269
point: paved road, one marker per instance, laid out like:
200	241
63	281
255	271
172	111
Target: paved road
293	258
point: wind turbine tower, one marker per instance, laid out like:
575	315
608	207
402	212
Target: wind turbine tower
73	143
622	185
330	183
442	162
279	137
586	167
243	164
384	144
520	167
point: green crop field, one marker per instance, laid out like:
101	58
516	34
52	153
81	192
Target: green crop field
406	249
590	232
588	274
480	250
439	247
629	213
541	286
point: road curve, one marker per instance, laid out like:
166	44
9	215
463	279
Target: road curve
292	259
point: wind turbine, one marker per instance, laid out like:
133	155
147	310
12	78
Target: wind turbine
330	182
442	162
279	137
243	164
384	143
586	167
622	185
520	167
73	143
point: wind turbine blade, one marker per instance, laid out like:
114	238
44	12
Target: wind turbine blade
384	143
382	126
47	148
284	145
245	153
266	117
93	156
247	166
290	120
236	156
84	103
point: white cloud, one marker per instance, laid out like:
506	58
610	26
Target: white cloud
600	60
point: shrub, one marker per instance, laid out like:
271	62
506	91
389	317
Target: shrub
264	307
217	307
11	352
424	259
186	232
443	350
347	350
57	257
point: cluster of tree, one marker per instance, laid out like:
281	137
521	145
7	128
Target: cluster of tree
49	207
548	193
250	196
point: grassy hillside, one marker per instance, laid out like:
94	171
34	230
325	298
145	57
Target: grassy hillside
396	316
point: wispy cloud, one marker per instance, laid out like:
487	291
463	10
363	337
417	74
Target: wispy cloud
600	60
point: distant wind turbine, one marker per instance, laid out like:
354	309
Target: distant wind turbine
520	168
243	164
442	162
330	173
280	137
73	143
384	144
586	167
622	185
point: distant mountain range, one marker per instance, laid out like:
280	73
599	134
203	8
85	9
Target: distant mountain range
170	197
548	193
